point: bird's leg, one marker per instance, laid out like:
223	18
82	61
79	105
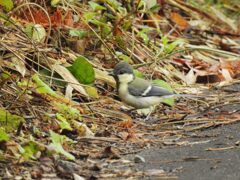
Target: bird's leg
152	108
146	112
149	114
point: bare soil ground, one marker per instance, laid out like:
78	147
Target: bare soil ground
214	154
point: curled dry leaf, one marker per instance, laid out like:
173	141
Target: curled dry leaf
19	65
190	78
179	20
68	92
77	177
103	75
67	76
224	19
126	124
226	74
82	129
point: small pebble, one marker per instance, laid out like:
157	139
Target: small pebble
139	159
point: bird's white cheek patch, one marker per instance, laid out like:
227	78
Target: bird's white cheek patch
125	78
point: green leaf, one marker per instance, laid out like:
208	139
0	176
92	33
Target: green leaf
8	121
43	88
165	40
39	33
98	23
95	6
56	145
151	3
106	30
67	111
3	135
5	75
138	73
170	47
123	57
7	4
92	91
141	4
79	33
143	34
54	2
165	85
63	123
35	31
114	4
82	70
89	16
110	16
120	41
30	150
54	78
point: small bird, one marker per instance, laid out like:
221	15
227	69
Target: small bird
137	92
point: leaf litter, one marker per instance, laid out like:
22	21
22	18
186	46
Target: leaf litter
85	135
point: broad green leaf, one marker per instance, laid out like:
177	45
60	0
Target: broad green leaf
165	85
96	6
57	142
43	88
82	70
63	123
92	91
3	135
7	4
9	121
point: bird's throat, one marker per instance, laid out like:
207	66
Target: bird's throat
125	78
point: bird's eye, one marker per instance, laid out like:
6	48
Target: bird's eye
121	72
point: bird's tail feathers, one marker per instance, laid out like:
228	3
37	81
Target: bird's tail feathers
185	95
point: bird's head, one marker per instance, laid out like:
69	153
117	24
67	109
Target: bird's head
123	72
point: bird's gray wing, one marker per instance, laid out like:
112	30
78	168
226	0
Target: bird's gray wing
138	87
157	91
141	87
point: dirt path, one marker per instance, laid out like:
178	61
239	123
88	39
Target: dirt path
213	154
